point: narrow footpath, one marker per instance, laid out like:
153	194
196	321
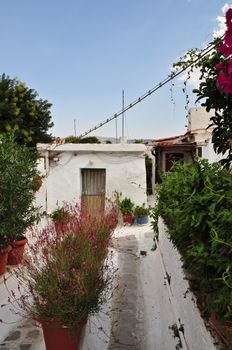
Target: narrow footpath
149	308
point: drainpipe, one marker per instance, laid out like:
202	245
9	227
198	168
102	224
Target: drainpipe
47	165
154	168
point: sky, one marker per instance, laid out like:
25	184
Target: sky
81	54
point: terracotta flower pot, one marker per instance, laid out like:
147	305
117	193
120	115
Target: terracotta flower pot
223	330
3	259
16	254
61	338
127	219
38	182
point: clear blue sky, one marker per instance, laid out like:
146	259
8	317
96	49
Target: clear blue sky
80	54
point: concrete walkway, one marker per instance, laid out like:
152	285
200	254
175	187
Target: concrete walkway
150	308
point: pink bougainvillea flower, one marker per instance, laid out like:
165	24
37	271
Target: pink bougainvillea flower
220	65
228	38
229	68
224	82
229	17
224	50
228	87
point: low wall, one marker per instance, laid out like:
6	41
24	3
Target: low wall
195	332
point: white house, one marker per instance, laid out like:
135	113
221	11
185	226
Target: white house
91	172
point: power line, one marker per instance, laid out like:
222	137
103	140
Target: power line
151	91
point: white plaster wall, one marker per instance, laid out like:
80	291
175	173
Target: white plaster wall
125	172
209	153
184	303
198	118
202	135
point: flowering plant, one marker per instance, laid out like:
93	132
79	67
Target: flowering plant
64	277
215	86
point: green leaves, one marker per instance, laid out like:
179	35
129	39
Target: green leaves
196	202
22	111
17	170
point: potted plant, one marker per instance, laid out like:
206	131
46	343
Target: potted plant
17	172
65	276
37	182
61	216
126	207
141	214
4	250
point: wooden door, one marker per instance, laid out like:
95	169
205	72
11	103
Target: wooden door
93	189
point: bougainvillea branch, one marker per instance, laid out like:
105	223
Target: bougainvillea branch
215	88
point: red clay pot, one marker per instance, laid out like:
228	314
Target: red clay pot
60	338
222	330
15	256
3	259
37	182
127	218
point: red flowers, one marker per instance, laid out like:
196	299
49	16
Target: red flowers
64	275
224	78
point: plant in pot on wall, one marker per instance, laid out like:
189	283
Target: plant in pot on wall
17	212
61	217
4	250
65	277
126	207
141	214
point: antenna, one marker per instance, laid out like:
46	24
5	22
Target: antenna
75	130
123	121
116	126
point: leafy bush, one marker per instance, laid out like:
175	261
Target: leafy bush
17	185
195	201
23	112
61	215
75	139
141	210
126	205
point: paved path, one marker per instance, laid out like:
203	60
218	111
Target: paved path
142	313
23	336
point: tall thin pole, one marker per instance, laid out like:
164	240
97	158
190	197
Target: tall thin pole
75	130
116	126
123	113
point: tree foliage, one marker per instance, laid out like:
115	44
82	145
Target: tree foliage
75	139
195	201
18	171
23	112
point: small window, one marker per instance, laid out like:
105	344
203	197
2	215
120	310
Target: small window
199	152
172	157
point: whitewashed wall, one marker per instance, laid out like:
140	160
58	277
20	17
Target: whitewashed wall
124	164
209	153
198	118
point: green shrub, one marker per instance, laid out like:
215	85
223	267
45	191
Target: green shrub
17	185
61	215
195	201
125	205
